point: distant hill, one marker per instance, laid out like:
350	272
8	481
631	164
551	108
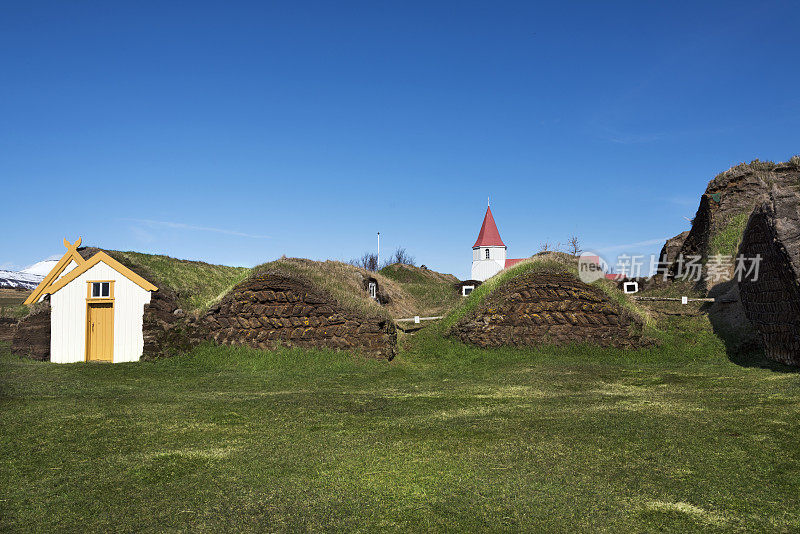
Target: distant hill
15	286
19	280
27	278
40	268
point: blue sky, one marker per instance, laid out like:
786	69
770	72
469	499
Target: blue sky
238	132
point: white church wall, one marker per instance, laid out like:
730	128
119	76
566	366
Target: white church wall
484	269
495	254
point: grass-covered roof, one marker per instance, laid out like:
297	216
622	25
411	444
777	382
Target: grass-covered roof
552	262
196	284
344	283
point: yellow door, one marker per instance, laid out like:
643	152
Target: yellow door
100	332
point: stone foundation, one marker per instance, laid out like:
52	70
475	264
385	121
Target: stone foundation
164	327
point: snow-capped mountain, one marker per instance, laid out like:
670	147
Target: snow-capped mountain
40	268
19	279
27	278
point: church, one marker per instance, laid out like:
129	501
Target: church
489	251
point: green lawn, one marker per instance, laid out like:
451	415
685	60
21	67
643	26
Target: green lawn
444	438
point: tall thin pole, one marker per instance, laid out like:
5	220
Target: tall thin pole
379	249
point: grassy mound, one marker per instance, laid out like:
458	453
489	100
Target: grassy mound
196	284
344	283
430	292
548	262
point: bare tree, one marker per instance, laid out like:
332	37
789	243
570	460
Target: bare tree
368	261
401	256
574	246
545	247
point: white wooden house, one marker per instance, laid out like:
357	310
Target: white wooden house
96	308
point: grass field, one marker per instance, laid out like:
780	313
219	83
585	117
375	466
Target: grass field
444	438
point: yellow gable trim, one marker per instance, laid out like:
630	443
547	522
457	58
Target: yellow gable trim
111	262
69	256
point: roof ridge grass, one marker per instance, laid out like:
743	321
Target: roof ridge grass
430	292
335	279
196	284
404	273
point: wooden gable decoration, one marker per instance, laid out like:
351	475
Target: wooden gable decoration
53	283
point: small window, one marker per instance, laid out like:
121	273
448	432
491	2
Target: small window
101	290
373	290
487	253
466	290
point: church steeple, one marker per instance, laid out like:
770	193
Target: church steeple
489	251
489	236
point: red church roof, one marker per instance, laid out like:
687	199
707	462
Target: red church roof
489	236
510	262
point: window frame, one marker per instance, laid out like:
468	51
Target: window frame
487	254
630	288
372	289
101	298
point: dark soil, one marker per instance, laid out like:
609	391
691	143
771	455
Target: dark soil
8	327
32	335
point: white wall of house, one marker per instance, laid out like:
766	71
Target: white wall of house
483	268
68	317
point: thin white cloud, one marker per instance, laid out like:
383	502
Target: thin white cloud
183	226
141	235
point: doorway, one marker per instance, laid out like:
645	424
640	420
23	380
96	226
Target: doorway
100	332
